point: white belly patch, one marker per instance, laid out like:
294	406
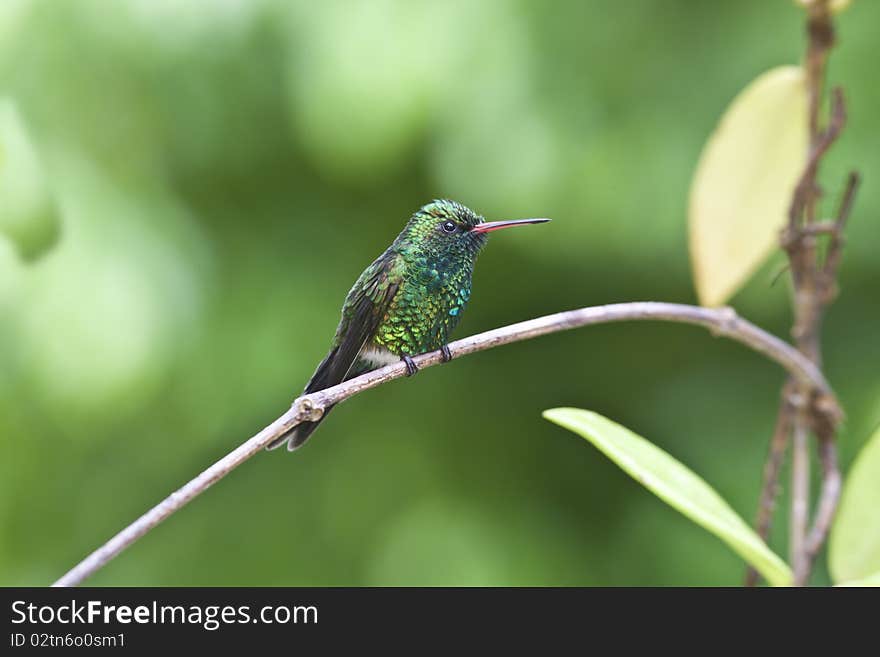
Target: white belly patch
378	356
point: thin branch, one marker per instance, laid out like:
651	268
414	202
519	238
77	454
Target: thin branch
835	247
828	497
723	322
827	227
800	499
815	286
772	468
797	236
820	40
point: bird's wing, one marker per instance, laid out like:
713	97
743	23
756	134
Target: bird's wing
364	309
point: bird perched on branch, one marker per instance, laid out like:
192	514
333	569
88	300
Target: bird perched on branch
407	302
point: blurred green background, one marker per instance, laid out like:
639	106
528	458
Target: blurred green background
204	181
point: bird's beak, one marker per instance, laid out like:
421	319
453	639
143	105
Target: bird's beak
489	226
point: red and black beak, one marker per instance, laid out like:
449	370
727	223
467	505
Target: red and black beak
489	226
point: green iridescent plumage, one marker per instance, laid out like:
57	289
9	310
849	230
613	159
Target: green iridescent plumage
408	301
432	273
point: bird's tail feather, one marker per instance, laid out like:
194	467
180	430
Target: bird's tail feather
332	370
297	436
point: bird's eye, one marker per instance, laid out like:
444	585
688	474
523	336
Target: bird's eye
449	226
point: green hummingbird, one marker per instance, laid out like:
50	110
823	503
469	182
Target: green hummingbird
407	302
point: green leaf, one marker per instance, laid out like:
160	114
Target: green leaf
744	182
854	546
676	485
28	218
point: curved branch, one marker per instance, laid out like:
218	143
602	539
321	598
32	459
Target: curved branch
722	321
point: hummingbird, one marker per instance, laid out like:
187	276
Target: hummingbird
407	302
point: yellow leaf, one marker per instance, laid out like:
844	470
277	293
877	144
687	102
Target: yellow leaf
836	6
744	181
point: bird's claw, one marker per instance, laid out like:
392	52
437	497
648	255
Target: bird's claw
446	353
411	367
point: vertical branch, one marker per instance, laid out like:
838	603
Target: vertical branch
802	255
820	31
799	519
814	288
831	478
828	499
828	277
772	467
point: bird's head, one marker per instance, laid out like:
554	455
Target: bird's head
448	227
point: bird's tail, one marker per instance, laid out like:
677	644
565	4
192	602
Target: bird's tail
299	434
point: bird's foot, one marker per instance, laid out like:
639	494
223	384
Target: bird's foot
411	367
446	353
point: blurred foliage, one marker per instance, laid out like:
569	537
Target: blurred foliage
28	219
222	172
